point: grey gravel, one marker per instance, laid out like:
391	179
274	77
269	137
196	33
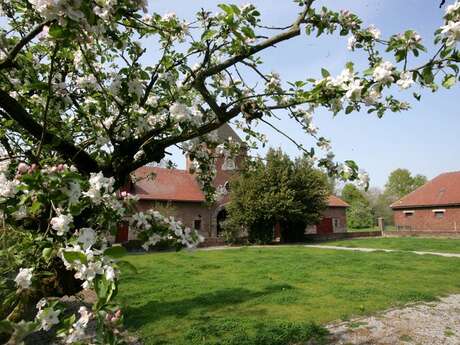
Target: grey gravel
436	323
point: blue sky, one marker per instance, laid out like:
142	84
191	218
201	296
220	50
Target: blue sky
424	140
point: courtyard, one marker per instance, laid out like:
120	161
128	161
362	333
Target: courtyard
277	295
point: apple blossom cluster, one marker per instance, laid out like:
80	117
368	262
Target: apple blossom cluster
88	264
47	316
154	224
24	278
451	29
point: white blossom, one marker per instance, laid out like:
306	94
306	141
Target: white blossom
88	272
452	8
372	97
136	87
452	31
169	16
363	179
109	273
61	223
7	188
98	186
24	278
180	112
351	42
87	237
383	72
48	317
405	80
77	332
376	34
354	90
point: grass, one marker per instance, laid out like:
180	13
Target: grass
271	296
444	245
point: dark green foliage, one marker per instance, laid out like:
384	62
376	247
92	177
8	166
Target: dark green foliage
359	214
279	190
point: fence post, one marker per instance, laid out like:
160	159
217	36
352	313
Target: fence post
381	224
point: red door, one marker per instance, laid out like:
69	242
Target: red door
122	233
325	226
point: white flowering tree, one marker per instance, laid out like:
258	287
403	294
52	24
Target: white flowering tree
82	105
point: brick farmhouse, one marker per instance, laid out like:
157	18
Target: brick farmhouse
435	206
178	192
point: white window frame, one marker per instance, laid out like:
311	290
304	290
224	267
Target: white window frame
411	212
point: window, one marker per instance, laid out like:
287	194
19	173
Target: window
197	224
439	213
408	213
336	223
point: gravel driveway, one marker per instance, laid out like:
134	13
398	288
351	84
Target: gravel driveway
436	323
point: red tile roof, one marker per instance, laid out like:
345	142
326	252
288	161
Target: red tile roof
334	201
180	185
443	190
167	184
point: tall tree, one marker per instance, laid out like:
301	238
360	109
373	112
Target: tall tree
277	191
359	214
401	182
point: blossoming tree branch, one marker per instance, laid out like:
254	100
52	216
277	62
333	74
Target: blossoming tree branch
83	103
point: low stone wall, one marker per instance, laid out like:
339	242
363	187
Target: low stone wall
341	236
422	233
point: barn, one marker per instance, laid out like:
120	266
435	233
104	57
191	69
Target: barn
435	206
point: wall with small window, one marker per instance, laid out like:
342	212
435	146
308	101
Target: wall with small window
429	219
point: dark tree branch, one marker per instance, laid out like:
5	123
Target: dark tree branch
82	160
283	36
8	62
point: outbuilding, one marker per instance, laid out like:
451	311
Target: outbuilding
435	206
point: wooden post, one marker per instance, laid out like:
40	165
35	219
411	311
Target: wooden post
381	223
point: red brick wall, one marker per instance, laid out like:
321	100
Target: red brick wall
339	213
425	219
187	212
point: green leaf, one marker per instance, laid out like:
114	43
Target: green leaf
325	73
72	256
115	251
46	253
57	31
449	81
105	291
127	266
35	208
6	327
427	75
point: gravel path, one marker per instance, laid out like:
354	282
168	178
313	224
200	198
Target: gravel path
369	250
436	323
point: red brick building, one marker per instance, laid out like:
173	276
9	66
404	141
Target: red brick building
178	191
435	206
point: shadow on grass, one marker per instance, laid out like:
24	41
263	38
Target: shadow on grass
155	310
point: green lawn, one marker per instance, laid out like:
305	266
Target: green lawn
444	245
268	296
